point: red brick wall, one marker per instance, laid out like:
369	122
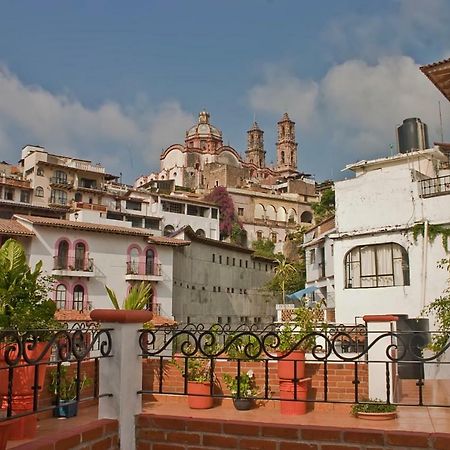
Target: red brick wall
340	377
98	435
175	433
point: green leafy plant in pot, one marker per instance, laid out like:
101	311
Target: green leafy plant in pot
24	306
296	338
374	409
66	386
243	388
198	375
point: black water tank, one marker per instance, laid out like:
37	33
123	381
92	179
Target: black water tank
414	336
412	135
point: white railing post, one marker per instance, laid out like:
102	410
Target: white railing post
121	374
377	325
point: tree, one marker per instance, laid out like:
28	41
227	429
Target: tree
228	219
326	206
264	247
289	278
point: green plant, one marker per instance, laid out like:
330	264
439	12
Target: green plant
440	309
325	207
198	368
242	386
306	321
138	297
244	346
24	301
67	383
372	406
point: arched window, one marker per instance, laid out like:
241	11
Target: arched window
200	233
133	263
271	212
168	230
60	296
62	260
282	157
292	216
379	265
80	256
260	212
306	217
78	297
281	214
39	191
40	172
60	177
149	262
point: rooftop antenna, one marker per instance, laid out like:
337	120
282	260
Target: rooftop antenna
440	121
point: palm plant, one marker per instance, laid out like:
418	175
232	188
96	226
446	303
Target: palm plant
283	272
24	300
136	299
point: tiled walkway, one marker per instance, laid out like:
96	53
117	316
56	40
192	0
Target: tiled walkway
409	418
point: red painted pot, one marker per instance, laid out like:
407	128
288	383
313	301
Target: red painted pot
286	365
5	428
288	390
22	389
199	395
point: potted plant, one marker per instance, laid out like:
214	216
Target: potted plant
295	339
198	376
24	306
65	385
374	409
243	388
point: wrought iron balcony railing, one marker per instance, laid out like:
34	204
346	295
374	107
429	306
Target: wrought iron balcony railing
72	263
141	268
435	186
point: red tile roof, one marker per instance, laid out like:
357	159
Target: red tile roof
13	228
83	226
70	315
161	321
163	240
439	74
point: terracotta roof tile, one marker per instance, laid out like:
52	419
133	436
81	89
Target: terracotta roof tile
71	315
13	228
86	226
163	240
161	321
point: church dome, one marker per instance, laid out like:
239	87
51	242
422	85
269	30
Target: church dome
203	128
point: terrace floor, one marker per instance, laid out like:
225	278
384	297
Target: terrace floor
425	419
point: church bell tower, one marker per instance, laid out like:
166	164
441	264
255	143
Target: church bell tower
255	153
286	147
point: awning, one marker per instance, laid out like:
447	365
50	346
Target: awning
301	293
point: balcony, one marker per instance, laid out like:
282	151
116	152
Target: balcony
435	186
73	267
90	206
143	272
61	182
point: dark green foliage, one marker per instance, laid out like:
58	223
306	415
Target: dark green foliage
440	309
264	248
433	231
24	299
326	206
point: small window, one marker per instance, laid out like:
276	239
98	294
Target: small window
246	264
259	235
168	230
220	259
218	288
214	213
219	319
133	205
24	196
214	289
60	296
9	194
312	256
240	263
40	172
273	237
240	211
78	297
39	191
213	257
228	260
234	261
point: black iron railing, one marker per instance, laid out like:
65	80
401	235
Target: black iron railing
339	362
27	358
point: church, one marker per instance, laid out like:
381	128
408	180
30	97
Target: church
269	201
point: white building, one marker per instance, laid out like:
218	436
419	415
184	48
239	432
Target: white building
319	265
380	266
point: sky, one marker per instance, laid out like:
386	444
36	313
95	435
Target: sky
116	82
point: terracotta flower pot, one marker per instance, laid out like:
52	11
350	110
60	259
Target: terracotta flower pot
5	428
286	365
121	315
22	389
291	404
199	395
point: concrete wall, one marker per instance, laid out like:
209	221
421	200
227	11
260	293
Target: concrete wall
197	280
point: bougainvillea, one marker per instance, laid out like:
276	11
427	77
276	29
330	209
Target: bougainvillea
220	196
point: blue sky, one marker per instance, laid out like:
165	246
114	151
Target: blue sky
116	81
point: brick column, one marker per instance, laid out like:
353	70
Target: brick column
121	374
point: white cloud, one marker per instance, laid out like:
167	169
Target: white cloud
359	104
281	92
31	114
